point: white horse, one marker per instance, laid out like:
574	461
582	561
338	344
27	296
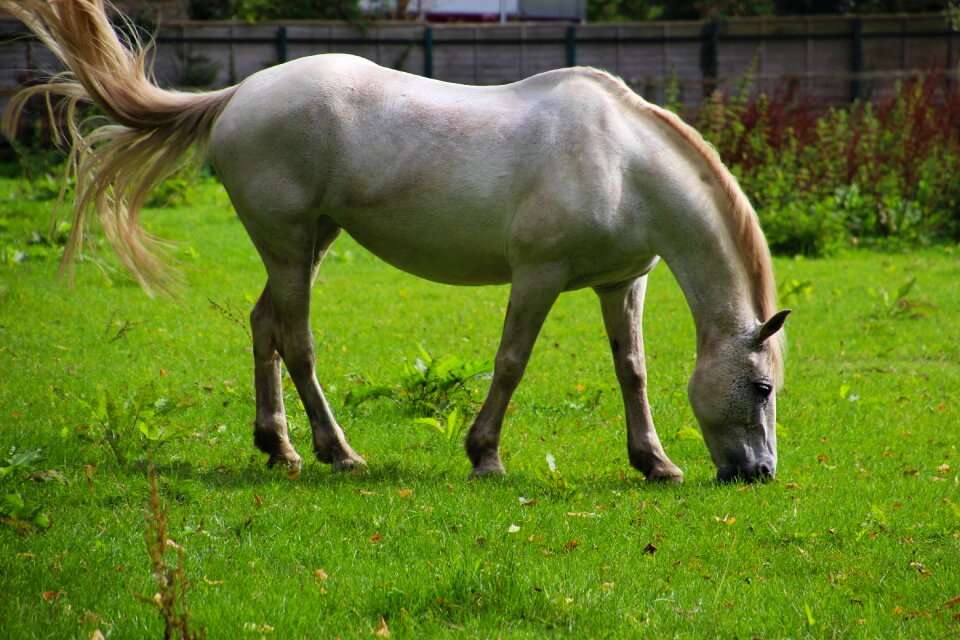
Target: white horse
558	182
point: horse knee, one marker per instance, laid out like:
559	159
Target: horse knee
632	372
508	368
299	358
262	326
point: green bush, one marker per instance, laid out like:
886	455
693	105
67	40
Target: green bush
874	172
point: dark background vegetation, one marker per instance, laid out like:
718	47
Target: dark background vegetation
597	10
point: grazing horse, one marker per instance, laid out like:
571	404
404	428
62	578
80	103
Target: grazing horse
561	181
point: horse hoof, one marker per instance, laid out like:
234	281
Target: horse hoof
288	460
667	474
487	470
351	462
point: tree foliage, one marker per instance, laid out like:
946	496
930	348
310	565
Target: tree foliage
259	10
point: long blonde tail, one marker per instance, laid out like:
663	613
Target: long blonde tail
115	165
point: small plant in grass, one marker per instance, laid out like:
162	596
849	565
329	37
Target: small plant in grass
450	426
140	423
15	510
429	386
899	306
552	477
793	290
170	599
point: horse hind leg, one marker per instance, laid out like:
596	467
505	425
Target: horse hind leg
623	316
270	427
292	256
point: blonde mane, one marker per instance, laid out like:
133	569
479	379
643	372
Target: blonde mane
740	217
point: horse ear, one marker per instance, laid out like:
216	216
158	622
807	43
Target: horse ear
771	326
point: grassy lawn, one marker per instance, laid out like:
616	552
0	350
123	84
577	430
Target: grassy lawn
859	535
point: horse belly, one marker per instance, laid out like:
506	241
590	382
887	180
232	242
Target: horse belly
457	248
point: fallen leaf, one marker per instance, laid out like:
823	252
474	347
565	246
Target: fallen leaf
582	514
163	373
96	635
52	475
650	549
404	493
513	528
213	582
52	595
952	602
607	586
258	500
944	468
365	492
27	556
320	575
570	546
89	470
382	630
376	538
294	473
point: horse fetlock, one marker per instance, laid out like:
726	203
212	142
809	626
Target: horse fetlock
270	437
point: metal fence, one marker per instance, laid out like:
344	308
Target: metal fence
831	59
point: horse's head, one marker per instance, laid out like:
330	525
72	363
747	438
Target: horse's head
733	395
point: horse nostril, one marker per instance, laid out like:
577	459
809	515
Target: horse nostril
764	471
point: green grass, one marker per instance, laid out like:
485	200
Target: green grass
859	536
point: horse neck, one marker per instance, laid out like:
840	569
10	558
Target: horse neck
699	250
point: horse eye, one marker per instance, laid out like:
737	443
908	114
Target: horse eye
763	388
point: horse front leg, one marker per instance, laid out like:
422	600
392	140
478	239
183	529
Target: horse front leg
623	317
270	428
532	294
